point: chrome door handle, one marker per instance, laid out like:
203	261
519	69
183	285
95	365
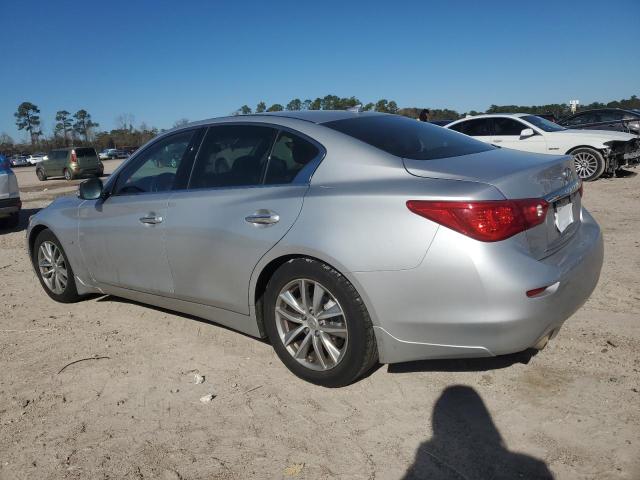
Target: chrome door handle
263	217
497	140
151	220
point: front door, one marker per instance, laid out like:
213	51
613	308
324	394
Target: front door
507	134
122	238
244	195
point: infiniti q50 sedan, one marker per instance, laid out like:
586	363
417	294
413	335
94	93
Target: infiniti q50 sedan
346	238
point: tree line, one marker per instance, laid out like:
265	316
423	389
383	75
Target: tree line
332	102
80	129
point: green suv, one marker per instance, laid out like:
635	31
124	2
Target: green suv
70	163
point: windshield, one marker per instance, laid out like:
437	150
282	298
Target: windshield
543	124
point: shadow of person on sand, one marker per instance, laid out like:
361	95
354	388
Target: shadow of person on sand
467	445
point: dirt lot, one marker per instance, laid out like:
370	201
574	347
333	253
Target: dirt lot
572	411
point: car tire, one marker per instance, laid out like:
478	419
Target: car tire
345	356
589	163
67	174
41	175
68	293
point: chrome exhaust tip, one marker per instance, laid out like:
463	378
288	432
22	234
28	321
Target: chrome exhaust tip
542	342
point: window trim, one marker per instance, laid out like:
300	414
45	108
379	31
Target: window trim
303	177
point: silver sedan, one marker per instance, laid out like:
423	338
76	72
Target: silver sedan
346	238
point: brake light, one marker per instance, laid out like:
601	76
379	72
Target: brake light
74	157
535	292
487	220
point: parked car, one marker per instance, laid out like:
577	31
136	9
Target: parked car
35	158
107	154
615	119
595	152
19	161
10	203
346	238
70	163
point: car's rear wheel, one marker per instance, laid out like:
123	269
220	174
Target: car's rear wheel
318	324
53	268
589	163
41	175
67	174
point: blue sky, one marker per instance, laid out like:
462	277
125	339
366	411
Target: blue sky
165	60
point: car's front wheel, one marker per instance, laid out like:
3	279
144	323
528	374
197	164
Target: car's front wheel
41	175
318	323
589	163
53	268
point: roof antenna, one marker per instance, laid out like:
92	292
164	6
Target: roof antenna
356	108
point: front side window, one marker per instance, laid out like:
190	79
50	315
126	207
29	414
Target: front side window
289	155
232	156
611	116
407	138
155	169
507	126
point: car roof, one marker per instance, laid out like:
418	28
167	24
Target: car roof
627	110
493	115
313	116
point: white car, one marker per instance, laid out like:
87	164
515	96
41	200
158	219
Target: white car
35	158
594	151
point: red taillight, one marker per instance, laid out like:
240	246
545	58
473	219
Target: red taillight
74	157
488	220
535	292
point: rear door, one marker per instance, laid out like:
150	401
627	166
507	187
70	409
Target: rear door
507	133
246	191
53	166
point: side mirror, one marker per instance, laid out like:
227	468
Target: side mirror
526	133
90	189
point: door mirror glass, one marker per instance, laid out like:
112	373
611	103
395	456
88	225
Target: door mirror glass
526	133
90	189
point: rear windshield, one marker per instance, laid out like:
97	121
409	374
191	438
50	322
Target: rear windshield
408	138
85	152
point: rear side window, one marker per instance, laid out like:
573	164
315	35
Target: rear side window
289	155
408	138
480	127
232	156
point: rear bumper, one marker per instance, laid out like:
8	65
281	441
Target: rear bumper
9	206
468	298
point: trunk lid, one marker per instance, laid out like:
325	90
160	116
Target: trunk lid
519	175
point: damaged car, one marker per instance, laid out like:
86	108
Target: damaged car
595	152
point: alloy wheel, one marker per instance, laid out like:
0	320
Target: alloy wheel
311	324
586	164
53	268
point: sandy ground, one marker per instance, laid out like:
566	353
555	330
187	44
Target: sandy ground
571	412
